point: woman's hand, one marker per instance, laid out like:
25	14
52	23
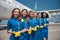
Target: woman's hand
24	30
9	32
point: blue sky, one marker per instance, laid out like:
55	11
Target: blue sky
41	4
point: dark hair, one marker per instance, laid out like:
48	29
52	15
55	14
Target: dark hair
26	12
20	17
27	16
39	13
30	12
13	12
47	16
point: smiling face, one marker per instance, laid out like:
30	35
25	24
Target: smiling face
39	15
24	12
16	13
31	14
35	14
44	14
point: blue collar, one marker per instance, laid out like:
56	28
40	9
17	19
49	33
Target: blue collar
43	17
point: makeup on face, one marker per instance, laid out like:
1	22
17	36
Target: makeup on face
24	13
31	14
35	14
16	13
44	14
39	15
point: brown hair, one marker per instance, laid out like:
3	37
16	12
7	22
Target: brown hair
26	12
30	12
13	12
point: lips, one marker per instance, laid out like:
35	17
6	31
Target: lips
16	14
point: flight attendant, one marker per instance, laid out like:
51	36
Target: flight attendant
35	15
40	27
25	19
14	26
32	25
45	17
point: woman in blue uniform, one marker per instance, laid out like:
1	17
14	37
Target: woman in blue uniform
25	23
40	27
32	25
14	26
45	17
